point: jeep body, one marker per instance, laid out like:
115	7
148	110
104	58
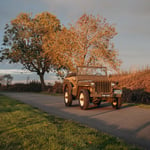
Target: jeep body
91	84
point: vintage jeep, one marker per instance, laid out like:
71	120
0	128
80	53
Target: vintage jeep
91	84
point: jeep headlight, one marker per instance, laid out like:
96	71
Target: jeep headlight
113	84
92	84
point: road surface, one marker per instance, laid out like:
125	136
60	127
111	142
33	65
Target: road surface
130	123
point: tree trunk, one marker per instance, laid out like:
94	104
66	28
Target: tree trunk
42	81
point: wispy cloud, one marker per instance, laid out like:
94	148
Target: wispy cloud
14	71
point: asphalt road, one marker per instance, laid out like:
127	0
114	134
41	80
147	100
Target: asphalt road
130	123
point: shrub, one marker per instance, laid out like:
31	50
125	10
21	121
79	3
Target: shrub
33	86
136	96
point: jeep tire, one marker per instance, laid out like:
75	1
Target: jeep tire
84	99
116	103
67	96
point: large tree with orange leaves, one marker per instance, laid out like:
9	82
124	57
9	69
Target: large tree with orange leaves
87	42
24	38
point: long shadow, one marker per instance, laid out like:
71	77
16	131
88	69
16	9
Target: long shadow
143	126
75	105
104	104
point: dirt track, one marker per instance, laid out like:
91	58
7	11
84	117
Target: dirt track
130	123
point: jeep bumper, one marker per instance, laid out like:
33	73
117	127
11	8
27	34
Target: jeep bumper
112	95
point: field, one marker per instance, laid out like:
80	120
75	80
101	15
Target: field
24	127
135	84
139	79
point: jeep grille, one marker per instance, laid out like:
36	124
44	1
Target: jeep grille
103	86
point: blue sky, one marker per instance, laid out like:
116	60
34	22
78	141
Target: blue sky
131	18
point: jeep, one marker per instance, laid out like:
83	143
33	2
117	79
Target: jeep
91	85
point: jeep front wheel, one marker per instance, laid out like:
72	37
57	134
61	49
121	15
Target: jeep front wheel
67	97
84	99
116	103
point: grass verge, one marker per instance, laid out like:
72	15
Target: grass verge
144	106
24	127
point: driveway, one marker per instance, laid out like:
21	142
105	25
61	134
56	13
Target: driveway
130	123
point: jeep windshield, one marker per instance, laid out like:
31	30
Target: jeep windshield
98	71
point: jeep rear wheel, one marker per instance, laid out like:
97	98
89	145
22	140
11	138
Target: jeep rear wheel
84	99
67	97
116	103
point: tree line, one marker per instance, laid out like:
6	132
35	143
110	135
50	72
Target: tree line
41	44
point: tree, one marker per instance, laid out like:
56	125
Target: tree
63	51
87	42
24	39
7	79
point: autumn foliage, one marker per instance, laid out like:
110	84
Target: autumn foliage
23	41
87	42
41	45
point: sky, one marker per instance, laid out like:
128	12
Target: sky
130	17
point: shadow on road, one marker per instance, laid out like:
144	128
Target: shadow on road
106	105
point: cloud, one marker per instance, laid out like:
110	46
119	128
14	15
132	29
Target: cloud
132	19
14	71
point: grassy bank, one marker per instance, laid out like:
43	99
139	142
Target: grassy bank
23	127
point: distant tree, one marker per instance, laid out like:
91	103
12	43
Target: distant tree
87	42
24	39
7	79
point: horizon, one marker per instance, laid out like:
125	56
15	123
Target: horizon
25	76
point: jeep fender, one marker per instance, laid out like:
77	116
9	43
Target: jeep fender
67	84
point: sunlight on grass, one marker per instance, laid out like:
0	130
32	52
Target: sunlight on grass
24	127
144	106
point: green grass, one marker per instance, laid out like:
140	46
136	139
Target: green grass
146	106
25	128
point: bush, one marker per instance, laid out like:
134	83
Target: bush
136	96
33	86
